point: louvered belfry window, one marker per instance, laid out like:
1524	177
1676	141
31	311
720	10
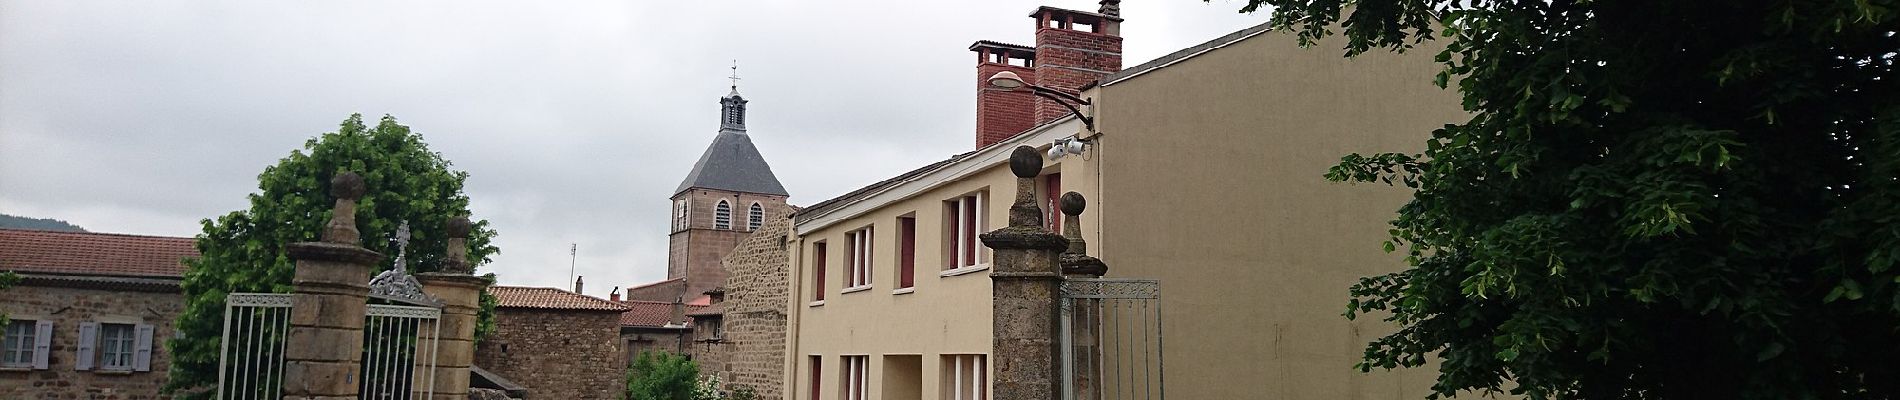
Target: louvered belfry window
722	215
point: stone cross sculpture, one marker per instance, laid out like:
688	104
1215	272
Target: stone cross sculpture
396	283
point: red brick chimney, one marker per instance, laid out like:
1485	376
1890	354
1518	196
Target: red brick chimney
1002	113
1073	49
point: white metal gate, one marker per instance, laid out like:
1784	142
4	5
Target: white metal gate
399	347
1111	339
251	352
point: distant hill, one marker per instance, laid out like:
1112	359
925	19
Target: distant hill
44	224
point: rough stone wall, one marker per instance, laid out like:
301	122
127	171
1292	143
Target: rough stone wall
695	253
557	354
713	356
664	291
67	307
635	340
755	323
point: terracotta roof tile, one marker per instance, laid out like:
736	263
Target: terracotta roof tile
87	253
549	298
649	313
716	309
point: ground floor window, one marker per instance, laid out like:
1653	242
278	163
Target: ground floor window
852	384
965	377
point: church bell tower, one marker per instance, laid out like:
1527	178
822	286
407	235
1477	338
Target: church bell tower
726	196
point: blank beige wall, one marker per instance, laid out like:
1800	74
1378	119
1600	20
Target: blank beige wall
1211	181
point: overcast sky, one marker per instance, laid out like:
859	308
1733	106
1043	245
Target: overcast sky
574	119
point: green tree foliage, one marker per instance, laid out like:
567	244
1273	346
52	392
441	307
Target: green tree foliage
1651	199
658	375
7	280
244	251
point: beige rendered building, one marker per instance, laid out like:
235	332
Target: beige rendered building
1203	171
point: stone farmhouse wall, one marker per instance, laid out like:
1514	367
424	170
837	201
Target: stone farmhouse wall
557	354
755	323
67	307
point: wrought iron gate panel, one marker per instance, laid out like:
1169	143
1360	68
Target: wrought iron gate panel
1110	343
251	350
399	349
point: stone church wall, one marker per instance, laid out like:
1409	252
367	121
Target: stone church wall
755	322
557	354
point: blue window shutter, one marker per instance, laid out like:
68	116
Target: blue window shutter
88	339
142	356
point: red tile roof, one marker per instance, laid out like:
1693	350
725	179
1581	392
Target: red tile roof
549	298
649	313
86	253
712	310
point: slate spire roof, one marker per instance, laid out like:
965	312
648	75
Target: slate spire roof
732	162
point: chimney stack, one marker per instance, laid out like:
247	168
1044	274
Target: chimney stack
614	294
679	311
577	285
1073	49
1003	113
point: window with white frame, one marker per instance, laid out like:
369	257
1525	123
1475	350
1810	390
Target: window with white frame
722	215
965	377
963	221
17	348
754	216
858	257
852	379
679	214
115	346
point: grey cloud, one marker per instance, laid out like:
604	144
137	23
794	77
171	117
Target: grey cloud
575	119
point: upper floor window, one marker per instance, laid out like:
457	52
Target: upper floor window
114	347
722	215
859	258
963	221
906	251
818	271
17	349
754	217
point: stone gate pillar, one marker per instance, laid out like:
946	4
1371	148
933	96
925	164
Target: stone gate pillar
1085	315
323	350
461	293
1026	280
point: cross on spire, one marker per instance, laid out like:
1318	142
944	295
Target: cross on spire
735	75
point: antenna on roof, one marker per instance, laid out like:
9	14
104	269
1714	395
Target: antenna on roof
573	249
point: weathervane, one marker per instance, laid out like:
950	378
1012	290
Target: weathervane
396	283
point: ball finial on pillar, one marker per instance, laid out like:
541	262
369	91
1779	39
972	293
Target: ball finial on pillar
458	227
457	261
1025	162
1073	203
347	185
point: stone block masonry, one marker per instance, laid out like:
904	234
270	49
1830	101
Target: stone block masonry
67	306
757	286
557	354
